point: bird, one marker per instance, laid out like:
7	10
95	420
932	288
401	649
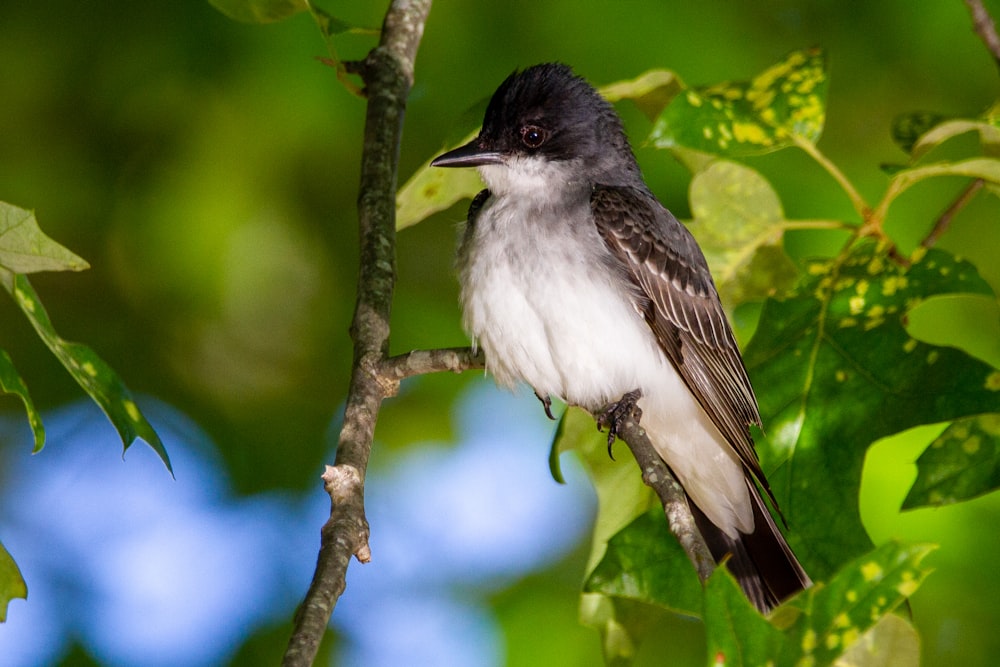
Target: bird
576	280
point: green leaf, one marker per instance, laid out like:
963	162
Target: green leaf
645	562
621	497
783	105
737	634
907	128
837	614
24	248
985	168
651	91
919	133
836	370
430	190
963	462
260	11
96	378
739	224
11	582
12	383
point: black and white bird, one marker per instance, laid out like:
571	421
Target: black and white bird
578	282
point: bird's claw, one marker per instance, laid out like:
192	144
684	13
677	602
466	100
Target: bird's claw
547	404
615	414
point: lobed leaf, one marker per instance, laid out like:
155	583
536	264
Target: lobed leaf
24	248
961	463
836	370
96	378
783	105
11	582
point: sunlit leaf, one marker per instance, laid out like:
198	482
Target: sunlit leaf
431	190
784	104
11	582
835	370
985	168
96	378
837	613
820	624
892	642
651	91
24	248
963	462
12	383
260	11
739	223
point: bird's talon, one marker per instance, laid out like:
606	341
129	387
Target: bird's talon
615	415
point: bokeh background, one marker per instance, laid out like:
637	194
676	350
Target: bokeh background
208	172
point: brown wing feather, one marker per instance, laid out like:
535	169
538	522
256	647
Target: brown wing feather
681	305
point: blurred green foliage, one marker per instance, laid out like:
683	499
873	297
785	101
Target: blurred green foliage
208	170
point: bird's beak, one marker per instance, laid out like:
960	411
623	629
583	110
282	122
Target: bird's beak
469	155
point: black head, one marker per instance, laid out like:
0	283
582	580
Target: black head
548	113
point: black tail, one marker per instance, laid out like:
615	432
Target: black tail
761	561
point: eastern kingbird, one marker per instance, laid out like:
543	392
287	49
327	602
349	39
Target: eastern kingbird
578	282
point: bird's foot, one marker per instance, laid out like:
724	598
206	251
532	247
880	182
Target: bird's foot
547	404
615	414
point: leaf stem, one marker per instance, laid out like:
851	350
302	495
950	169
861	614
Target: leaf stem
857	201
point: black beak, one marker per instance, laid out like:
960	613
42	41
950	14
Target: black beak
469	155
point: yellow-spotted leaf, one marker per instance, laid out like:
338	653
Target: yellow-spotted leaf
24	248
961	463
96	378
783	105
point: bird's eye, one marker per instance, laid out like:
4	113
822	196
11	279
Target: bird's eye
533	136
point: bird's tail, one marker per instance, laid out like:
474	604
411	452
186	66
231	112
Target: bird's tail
761	561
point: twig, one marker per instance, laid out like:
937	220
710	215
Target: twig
941	226
388	76
983	24
658	476
419	362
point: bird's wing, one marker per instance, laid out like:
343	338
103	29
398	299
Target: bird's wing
676	295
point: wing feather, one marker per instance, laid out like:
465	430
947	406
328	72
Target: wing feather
679	300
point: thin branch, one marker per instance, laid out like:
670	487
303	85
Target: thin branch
658	476
943	222
388	76
983	24
419	362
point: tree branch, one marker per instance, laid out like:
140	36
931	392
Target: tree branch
983	24
658	476
419	362
944	220
388	75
